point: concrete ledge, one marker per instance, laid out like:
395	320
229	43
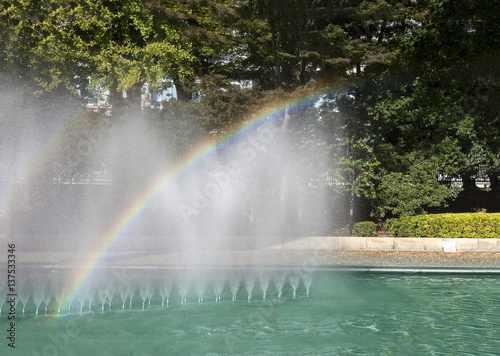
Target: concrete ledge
325	243
467	245
410	244
432	245
353	243
488	245
380	243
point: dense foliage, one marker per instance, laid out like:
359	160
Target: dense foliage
365	228
466	225
411	86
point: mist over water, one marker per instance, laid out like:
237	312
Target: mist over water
68	175
114	212
86	190
45	292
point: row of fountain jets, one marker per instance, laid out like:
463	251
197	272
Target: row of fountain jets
50	293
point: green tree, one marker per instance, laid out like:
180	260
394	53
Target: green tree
224	103
286	43
117	45
437	104
41	43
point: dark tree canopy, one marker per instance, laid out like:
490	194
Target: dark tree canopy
419	79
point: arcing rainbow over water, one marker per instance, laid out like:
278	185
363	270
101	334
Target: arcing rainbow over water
198	155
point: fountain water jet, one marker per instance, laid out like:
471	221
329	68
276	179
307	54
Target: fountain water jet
234	285
294	282
264	279
131	295
218	286
279	282
23	299
249	285
143	292
183	284
103	294
165	285
307	280
200	286
37	299
122	291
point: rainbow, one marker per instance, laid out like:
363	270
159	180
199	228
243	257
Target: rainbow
197	156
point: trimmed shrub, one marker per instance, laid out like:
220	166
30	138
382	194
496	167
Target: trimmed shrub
364	228
466	225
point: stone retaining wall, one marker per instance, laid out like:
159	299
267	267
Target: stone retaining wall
413	244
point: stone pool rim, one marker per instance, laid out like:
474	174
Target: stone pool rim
410	244
294	269
361	253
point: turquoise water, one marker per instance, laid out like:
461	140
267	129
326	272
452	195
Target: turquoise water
345	314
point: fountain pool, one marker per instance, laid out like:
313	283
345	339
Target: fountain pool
228	313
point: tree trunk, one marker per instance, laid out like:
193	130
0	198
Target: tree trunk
382	32
275	53
302	71
351	210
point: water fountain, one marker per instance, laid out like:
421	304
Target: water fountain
194	286
102	194
131	251
132	242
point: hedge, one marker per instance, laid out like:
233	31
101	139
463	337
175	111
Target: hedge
466	225
364	228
